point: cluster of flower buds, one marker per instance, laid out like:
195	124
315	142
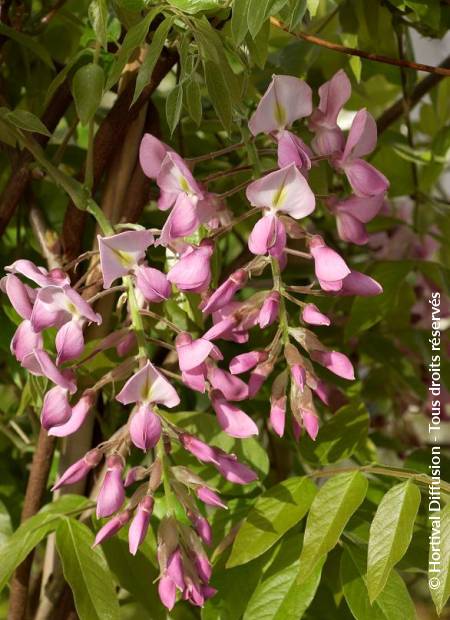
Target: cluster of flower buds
282	197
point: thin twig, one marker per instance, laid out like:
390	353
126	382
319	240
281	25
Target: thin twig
337	47
214	154
158	317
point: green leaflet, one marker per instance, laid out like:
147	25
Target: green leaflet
394	603
87	572
390	534
273	514
331	509
442	592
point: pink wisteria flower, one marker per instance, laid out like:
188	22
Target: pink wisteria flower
121	253
283	191
334	94
147	388
361	140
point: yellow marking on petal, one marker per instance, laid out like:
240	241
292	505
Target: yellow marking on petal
184	185
280	114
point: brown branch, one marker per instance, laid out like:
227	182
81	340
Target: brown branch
37	482
396	111
109	135
336	47
20	175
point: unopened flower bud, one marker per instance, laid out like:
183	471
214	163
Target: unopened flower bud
139	525
112	527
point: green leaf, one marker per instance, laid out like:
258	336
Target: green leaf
239	24
331	509
339	437
195	6
5	525
273	514
259	11
278	596
441	527
26	41
259	46
367	311
33	530
136	574
219	93
62	75
312	6
174	103
151	58
98	16
133	39
22	119
193	100
86	572
394	603
390	534
87	90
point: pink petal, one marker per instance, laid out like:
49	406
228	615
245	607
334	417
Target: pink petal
311	423
268	236
151	155
312	315
139	525
69	342
112	527
51	308
167	592
192	272
362	137
191	353
363	209
148	385
152	283
286	100
182	221
145	428
77	417
25	341
175	569
195	378
39	275
269	310
333	94
246	361
336	362
278	415
235	472
225	292
56	409
328	141
80	469
284	190
350	229
175	177
39	363
198	448
364	178
357	283
121	253
18	295
112	492
292	150
231	387
329	266
210	497
232	419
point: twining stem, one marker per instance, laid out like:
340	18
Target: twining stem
381	471
214	154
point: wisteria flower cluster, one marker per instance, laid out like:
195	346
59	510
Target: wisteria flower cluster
284	199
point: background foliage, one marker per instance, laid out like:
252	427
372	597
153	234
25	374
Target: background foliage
83	81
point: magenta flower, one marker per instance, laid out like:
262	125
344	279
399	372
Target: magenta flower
231	387
286	100
310	422
152	153
175	178
234	471
231	419
246	361
330	268
121	253
335	362
292	150
139	525
145	427
39	363
152	283
112	492
312	315
56	409
20	296
25	341
39	275
269	310
225	292
192	273
80	469
356	283
192	353
148	386
333	96
362	139
77	415
112	527
207	496
268	237
353	213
